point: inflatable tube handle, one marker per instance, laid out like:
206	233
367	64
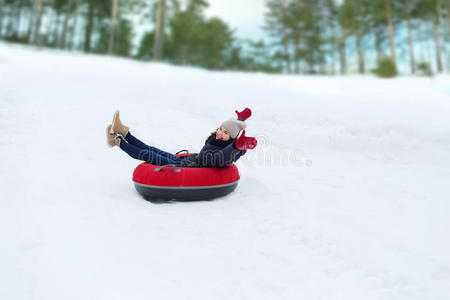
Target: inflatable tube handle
187	151
171	165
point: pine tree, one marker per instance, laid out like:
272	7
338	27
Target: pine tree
2	8
378	26
334	38
74	26
113	25
390	22
52	35
447	5
185	27
146	46
216	37
346	24
35	24
410	39
439	12
124	38
69	5
409	13
159	31
15	19
350	21
89	25
276	24
10	25
429	13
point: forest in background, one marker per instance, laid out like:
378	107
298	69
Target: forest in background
303	36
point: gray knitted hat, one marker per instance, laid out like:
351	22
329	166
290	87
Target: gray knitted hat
233	127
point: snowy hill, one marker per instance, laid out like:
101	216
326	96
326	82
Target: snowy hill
345	197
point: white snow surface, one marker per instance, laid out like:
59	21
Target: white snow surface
345	197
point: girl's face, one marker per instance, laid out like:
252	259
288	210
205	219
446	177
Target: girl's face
222	134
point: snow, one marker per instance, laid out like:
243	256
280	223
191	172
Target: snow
345	197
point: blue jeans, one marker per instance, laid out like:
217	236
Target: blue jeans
138	150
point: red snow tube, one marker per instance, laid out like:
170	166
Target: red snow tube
162	183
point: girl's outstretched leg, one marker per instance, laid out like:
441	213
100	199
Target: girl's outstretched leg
147	155
136	142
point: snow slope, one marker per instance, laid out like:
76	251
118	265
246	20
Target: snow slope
345	197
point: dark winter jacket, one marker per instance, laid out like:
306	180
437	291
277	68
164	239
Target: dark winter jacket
215	153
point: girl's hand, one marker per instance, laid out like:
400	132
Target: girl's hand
245	142
245	114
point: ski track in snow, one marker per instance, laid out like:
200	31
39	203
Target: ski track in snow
345	197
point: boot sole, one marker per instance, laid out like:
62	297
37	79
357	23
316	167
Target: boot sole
116	113
108	132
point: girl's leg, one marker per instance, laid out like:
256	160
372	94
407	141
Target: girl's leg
136	142
147	155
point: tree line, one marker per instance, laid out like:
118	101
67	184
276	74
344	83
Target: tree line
317	36
304	36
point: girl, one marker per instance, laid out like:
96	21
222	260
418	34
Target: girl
221	148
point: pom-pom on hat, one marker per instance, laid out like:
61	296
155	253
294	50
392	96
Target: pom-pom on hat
233	127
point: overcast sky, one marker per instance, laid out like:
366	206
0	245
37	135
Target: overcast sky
246	16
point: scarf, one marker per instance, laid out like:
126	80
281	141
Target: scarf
218	143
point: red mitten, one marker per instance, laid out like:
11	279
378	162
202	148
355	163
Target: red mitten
245	114
245	142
